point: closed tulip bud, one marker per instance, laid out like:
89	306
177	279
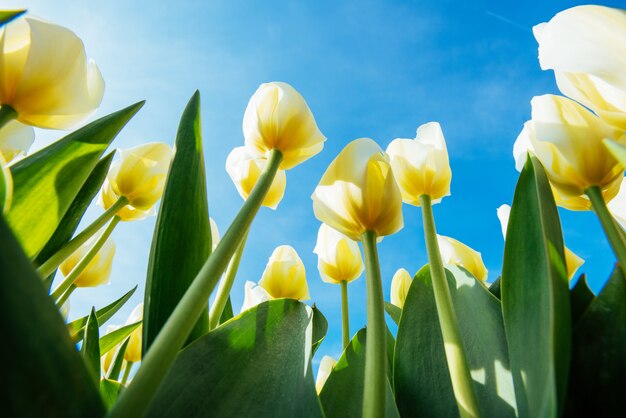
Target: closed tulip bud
215	234
133	349
284	275
139	176
15	140
254	295
245	170
421	165
277	117
107	358
338	257
48	87
400	285
98	271
456	253
358	192
326	367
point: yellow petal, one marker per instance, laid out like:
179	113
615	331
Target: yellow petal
339	257
133	350
326	367
400	285
98	271
253	295
215	234
617	206
456	253
284	275
15	140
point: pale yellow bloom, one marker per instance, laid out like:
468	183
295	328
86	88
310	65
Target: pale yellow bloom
245	170
45	74
359	193
400	285
98	271
253	295
133	350
107	359
326	367
456	253
15	140
139	175
617	206
338	257
421	165
284	275
215	234
277	117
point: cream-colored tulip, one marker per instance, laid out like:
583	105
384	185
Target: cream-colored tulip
244	170
277	117
215	234
456	253
284	275
400	285
567	139
107	359
572	261
15	140
326	367
338	257
49	87
133	349
359	193
421	165
139	176
253	295
98	271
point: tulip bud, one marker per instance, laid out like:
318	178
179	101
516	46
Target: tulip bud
400	285
284	275
421	165
133	349
277	117
253	296
107	358
48	87
15	139
245	170
326	367
98	271
339	257
139	175
456	253
215	234
358	192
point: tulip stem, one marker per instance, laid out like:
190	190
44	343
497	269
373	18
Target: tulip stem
345	318
165	348
7	114
462	383
226	284
84	262
611	228
127	369
65	295
54	261
374	394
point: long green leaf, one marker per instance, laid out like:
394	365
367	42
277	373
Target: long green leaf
580	298
535	297
118	360
47	182
90	349
110	390
227	313
394	312
256	365
320	328
110	340
45	373
182	234
8	15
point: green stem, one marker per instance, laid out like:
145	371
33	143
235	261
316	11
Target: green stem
54	261
612	230
226	284
7	114
66	295
374	393
174	333
127	369
462	383
345	318
84	262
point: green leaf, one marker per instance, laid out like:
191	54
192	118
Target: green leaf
110	390
182	234
90	349
393	311
580	298
118	360
598	373
320	328
113	338
256	365
495	288
46	375
535	297
46	183
342	394
227	313
421	374
8	15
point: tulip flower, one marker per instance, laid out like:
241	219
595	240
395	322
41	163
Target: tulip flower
15	140
254	295
133	350
277	117
456	253
339	257
215	234
284	275
400	285
326	367
98	271
42	86
245	170
421	165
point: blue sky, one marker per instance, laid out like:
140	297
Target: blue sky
367	69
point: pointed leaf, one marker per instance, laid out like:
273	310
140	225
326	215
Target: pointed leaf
8	15
90	349
112	339
393	311
320	327
580	298
227	313
110	390
495	289
118	361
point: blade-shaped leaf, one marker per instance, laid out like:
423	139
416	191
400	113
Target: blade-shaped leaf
8	15
90	349
495	289
320	327
118	361
535	297
580	298
227	313
393	311
113	338
110	390
182	234
47	182
256	365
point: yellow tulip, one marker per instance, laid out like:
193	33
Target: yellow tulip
107	358
284	275
277	117
15	140
139	175
253	295
617	206
98	271
400	285
133	349
215	234
358	192
245	170
339	257
586	46
421	165
567	139
456	253
326	367
46	76
572	261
